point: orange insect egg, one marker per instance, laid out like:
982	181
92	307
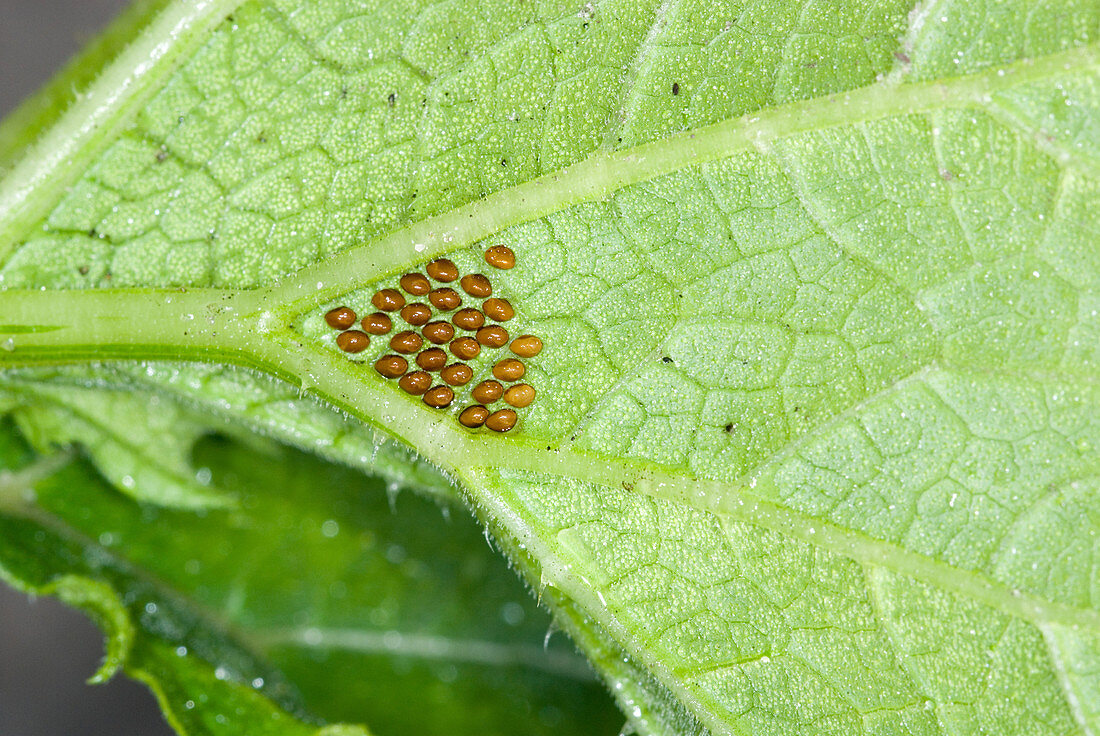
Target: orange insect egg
443	270
487	392
340	318
352	341
499	310
416	314
391	366
527	346
432	359
438	332
445	299
388	300
509	369
439	397
416	284
500	256
465	348
520	395
473	416
476	284
457	374
493	336
415	383
406	342
377	323
501	420
468	319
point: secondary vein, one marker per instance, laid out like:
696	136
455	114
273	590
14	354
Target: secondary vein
606	172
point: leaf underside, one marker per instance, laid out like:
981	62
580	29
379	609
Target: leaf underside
815	443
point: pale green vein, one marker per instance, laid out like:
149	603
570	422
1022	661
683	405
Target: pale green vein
226	328
874	553
606	172
426	646
1059	150
642	64
1058	659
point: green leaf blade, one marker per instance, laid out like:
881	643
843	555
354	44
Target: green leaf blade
256	616
815	445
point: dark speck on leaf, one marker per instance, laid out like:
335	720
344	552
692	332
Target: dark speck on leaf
392	99
729	427
666	359
504	162
83	270
628	486
161	155
675	88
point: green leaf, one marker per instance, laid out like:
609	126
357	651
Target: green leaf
814	448
22	126
315	595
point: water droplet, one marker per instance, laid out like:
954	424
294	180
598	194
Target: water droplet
512	614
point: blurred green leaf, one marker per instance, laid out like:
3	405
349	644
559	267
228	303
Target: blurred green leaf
318	595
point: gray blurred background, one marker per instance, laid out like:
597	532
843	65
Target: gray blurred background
46	649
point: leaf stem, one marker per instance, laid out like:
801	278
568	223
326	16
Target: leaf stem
41	327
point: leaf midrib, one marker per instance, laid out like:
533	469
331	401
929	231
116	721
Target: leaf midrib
341	382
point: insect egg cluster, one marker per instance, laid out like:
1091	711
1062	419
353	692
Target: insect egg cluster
418	359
